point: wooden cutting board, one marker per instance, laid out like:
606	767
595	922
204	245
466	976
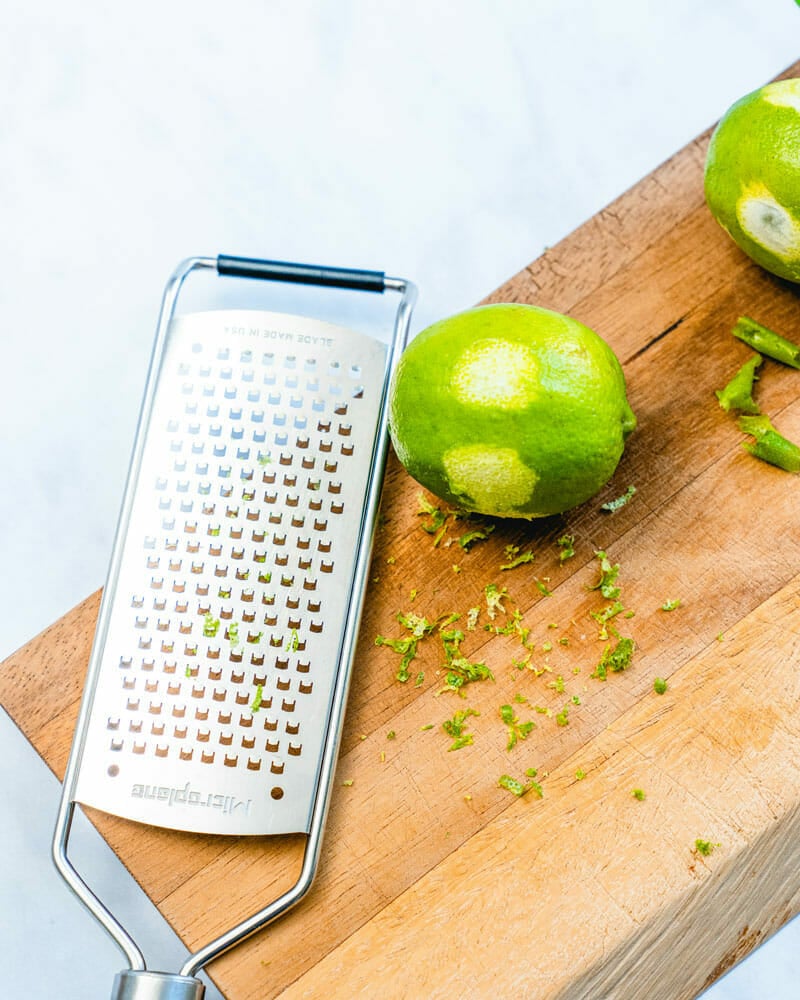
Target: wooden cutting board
434	880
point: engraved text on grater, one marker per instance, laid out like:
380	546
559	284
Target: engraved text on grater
188	796
282	335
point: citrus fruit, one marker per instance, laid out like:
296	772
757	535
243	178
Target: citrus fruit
752	176
510	410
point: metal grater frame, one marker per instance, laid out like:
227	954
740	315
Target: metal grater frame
218	677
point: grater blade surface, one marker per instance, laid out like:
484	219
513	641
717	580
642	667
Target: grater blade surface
222	638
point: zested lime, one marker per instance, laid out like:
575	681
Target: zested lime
510	410
752	176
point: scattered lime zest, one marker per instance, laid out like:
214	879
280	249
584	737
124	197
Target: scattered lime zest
604	617
233	634
770	446
348	783
293	642
580	774
738	393
210	625
516	558
460	670
437	525
517	787
671	605
567	545
562	717
557	685
766	341
456	727
614	505
456	568
391	735
424	729
188	671
265	459
259	697
494	599
659	685
513	626
639	794
419	628
704	847
615	660
608	577
420	679
472	618
575	699
469	538
542	586
516	730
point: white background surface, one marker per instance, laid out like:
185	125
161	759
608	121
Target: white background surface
447	142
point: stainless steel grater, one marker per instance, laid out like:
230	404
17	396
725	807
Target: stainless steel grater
218	677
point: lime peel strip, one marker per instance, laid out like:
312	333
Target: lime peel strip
766	341
738	393
770	446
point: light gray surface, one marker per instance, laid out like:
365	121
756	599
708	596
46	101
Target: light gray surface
449	143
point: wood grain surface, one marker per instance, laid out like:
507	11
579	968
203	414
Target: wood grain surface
434	880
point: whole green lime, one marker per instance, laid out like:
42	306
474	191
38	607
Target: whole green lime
510	410
752	176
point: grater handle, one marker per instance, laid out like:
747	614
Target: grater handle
141	985
303	274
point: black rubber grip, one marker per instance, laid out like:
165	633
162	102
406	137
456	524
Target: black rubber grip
303	274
